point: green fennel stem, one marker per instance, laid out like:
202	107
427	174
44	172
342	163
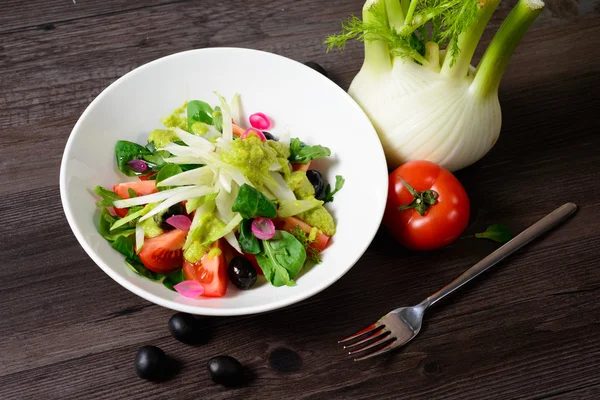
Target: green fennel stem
468	41
410	12
495	59
377	53
394	13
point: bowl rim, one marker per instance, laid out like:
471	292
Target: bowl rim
199	309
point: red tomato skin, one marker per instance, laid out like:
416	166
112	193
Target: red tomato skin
141	188
163	253
289	223
211	273
442	223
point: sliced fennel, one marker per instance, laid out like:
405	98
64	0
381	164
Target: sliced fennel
130	217
139	237
193	140
150	198
277	185
423	102
193	204
189	193
288	208
236	108
200	176
227	125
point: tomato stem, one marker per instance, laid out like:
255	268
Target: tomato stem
422	201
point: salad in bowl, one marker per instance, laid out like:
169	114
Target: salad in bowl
215	200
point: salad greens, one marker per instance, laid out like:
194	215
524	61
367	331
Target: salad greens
201	185
303	153
498	233
282	259
251	203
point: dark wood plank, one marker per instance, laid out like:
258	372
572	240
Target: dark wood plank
529	329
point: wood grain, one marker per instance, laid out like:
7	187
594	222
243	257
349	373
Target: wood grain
530	329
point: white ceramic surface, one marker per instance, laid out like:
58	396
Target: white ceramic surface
299	99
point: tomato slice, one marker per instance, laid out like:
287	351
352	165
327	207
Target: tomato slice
141	188
288	224
209	272
147	176
300	167
164	253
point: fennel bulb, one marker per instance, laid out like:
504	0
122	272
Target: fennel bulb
427	103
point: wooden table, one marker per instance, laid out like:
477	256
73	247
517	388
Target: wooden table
528	329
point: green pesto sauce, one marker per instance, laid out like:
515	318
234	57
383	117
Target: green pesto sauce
162	137
208	230
254	157
176	119
151	229
318	217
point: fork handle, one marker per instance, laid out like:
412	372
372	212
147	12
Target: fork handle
545	224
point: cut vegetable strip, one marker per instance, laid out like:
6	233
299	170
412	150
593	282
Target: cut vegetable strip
188	193
139	237
150	198
279	188
132	216
200	176
232	240
227	124
236	109
193	140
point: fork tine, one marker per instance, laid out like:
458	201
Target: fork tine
379	334
363	332
374	344
383	350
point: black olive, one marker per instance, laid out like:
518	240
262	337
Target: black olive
317	181
150	363
186	328
225	370
241	272
161	218
269	136
316	67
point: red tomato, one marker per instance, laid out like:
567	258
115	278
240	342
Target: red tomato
209	272
288	224
300	167
141	188
147	176
443	219
164	253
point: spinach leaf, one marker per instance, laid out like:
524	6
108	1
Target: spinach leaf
248	242
165	172
136	266
127	151
125	246
106	221
498	233
199	111
173	279
282	259
131	193
251	203
327	195
108	196
302	153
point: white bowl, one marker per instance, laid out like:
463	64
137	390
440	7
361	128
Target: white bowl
298	98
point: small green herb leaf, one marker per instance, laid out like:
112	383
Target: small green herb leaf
199	111
131	193
282	259
165	172
248	242
498	233
307	239
125	246
136	266
106	221
327	195
173	279
302	153
251	203
108	196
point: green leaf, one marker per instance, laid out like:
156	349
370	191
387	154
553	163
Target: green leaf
327	195
131	193
218	118
199	111
282	259
302	153
136	266
173	279
498	233
125	152
108	197
165	172
251	203
248	242
106	221
125	246
307	239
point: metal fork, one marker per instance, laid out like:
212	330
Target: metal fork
399	326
